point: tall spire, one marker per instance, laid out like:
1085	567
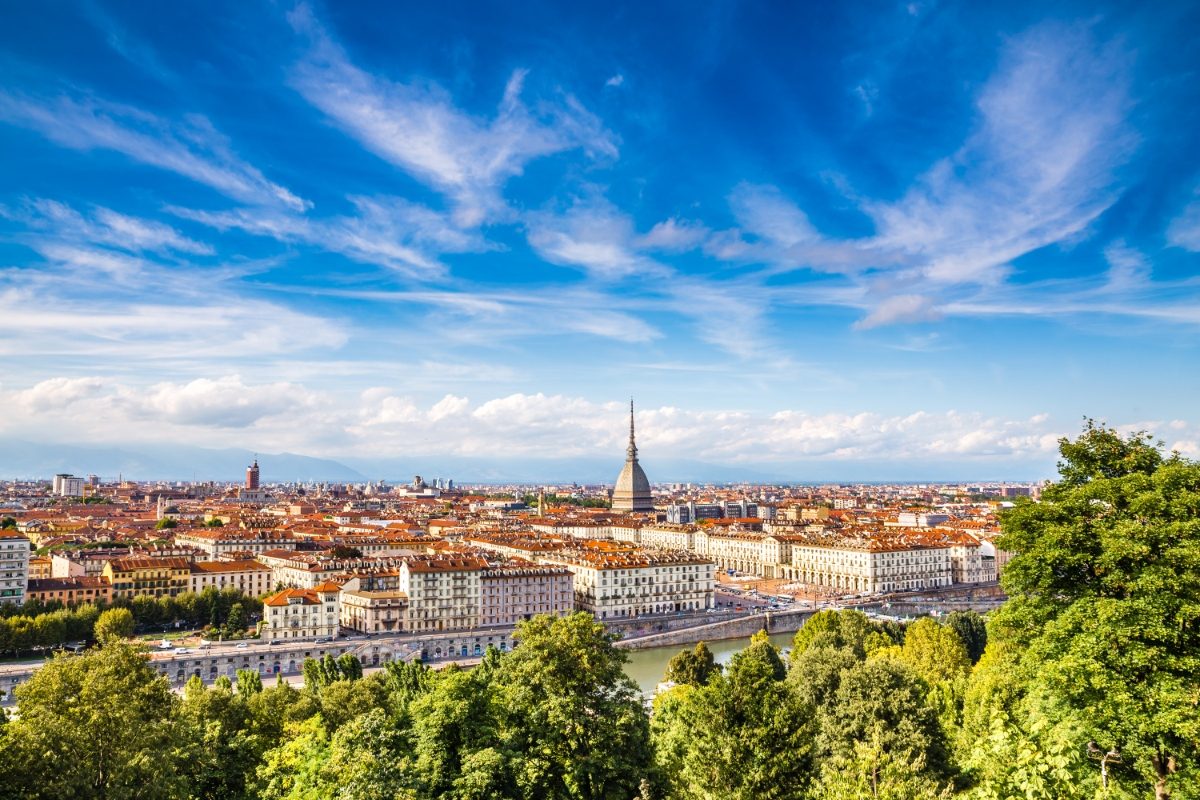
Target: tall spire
631	451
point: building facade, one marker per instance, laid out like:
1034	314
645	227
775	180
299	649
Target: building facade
510	593
302	614
249	577
14	566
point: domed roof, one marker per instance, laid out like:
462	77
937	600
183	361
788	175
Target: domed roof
632	492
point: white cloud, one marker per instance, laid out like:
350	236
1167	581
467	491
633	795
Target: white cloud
1038	169
592	234
225	402
1184	230
379	423
900	308
104	227
191	147
144	310
615	81
673	236
417	126
387	231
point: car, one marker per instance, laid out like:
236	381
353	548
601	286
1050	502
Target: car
165	645
273	641
241	645
182	651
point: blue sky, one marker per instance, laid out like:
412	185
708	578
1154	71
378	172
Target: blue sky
917	234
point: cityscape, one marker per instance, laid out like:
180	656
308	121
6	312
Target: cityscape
717	401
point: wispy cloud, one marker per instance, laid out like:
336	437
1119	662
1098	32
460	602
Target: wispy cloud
191	147
418	127
386	231
593	234
1184	230
103	226
1040	168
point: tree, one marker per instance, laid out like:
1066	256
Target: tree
8	523
935	652
1104	585
873	772
693	667
236	624
114	625
165	523
345	552
849	629
215	522
224	751
743	735
102	724
293	770
451	725
249	682
883	702
146	610
971	630
569	714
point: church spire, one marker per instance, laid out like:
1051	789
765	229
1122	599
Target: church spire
631	451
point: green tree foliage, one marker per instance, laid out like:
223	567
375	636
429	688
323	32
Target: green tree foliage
165	523
99	725
743	735
884	703
294	770
568	714
457	740
115	624
972	630
249	682
851	630
935	652
8	523
693	667
1104	590
876	772
224	748
320	673
235	625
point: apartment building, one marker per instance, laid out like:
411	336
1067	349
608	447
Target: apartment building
616	585
132	576
70	591
373	610
443	592
870	564
219	542
669	537
249	577
302	613
518	590
14	566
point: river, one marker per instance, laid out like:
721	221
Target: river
646	667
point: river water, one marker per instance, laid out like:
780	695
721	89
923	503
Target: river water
646	667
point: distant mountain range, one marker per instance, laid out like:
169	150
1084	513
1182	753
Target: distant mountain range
24	459
21	459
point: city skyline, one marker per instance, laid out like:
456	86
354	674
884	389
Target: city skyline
897	240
